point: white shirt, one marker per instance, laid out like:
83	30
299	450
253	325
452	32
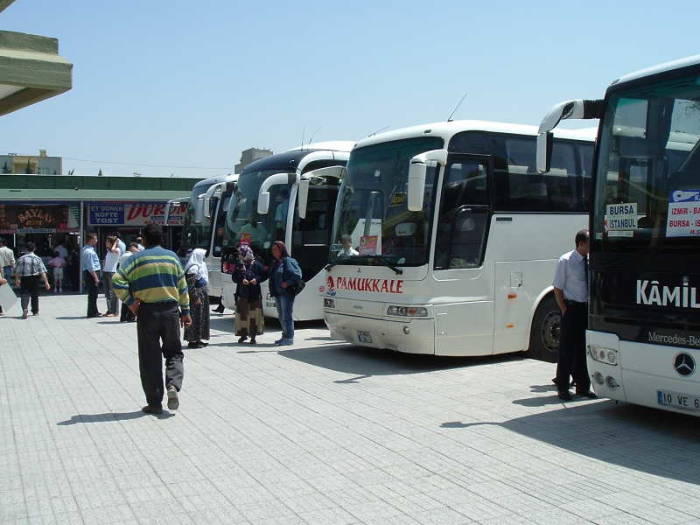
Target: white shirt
123	258
111	260
571	277
349	252
7	257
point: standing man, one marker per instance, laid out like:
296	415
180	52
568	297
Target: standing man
28	271
152	284
571	294
7	262
90	266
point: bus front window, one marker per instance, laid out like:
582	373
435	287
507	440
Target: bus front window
648	186
244	224
373	206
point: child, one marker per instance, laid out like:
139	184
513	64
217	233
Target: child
57	263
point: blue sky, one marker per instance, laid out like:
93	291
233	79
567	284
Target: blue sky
192	83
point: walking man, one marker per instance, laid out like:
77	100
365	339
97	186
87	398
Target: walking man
152	284
571	294
29	270
7	262
90	265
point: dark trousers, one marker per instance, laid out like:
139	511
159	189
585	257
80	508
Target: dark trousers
126	315
29	288
572	348
110	296
92	294
158	330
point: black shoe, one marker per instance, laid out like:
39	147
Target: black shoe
202	344
219	309
153	409
98	314
242	339
565	395
589	394
253	341
192	344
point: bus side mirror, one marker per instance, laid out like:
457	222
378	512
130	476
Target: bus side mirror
416	184
303	197
544	151
263	202
199	210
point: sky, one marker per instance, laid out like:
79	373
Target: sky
179	88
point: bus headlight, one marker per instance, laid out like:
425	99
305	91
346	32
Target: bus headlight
603	354
407	311
328	302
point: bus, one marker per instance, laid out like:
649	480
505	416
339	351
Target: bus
290	197
204	224
643	338
445	239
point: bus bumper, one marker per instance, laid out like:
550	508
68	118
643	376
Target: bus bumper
645	374
413	336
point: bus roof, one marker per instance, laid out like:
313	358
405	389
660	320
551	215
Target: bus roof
332	145
447	129
659	68
214	180
288	160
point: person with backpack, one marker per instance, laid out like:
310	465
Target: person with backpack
285	283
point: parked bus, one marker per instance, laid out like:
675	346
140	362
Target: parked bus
643	339
204	224
454	238
290	197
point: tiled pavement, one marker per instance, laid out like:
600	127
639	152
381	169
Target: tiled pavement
318	433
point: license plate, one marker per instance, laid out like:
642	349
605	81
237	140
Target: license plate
364	337
677	400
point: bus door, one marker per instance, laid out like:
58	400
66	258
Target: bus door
464	316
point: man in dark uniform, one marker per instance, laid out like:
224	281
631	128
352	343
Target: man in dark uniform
152	284
571	294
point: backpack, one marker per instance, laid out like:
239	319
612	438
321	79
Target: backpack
295	289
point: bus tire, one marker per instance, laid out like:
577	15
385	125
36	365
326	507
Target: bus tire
544	334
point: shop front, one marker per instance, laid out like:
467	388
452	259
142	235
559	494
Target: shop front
48	225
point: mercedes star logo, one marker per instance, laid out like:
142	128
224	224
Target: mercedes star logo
684	364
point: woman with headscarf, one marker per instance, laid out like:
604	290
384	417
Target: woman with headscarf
197	277
248	273
285	277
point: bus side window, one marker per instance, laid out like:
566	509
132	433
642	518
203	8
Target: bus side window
463	218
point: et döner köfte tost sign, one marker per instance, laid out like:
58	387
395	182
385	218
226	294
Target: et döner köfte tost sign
134	214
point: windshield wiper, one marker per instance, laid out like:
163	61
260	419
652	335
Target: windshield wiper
387	263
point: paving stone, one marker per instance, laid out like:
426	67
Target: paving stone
321	432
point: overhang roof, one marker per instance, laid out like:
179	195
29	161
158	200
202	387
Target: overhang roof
30	70
87	195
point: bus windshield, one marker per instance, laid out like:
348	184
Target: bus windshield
372	222
243	224
194	235
648	184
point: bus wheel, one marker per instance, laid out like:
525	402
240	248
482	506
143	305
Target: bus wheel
544	335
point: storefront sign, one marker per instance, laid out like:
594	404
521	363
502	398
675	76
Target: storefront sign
49	218
134	214
363	284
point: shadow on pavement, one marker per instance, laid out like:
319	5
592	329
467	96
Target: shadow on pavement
367	362
111	416
639	438
75	317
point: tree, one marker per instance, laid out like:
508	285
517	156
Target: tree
28	169
100	173
6	168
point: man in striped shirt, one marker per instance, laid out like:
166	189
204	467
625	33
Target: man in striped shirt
28	271
152	284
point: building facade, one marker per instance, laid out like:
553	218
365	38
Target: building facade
249	156
40	164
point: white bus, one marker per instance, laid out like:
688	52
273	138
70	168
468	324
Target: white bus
457	238
290	197
643	338
204	224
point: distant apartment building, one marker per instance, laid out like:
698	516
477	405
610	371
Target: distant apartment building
40	164
249	156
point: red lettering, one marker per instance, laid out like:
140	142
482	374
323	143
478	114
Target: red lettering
399	285
679	211
385	287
